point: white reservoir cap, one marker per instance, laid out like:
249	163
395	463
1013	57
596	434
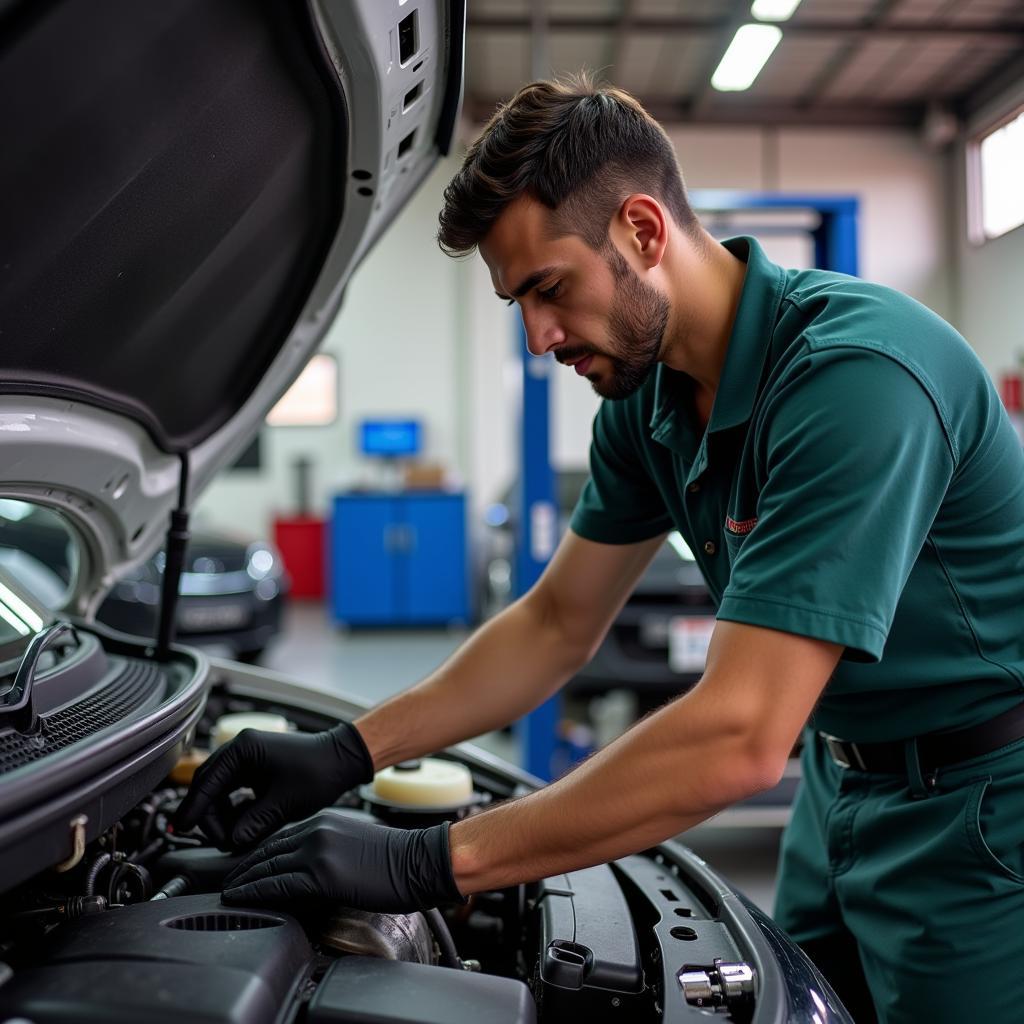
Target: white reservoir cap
427	783
229	726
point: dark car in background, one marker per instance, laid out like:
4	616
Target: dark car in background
232	589
231	597
654	650
657	643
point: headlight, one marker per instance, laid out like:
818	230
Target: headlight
262	563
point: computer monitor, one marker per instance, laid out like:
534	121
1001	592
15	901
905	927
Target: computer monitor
389	438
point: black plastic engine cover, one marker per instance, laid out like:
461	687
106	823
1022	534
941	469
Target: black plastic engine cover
189	958
590	964
363	990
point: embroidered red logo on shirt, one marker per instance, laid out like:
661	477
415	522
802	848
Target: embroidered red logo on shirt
741	527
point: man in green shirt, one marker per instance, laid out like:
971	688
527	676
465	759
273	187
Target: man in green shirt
838	461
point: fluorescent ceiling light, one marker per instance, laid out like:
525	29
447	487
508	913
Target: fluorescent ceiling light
749	50
15	604
774	10
13	621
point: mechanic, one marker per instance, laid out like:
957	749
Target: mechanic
837	458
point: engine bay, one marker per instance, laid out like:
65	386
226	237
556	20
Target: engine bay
130	926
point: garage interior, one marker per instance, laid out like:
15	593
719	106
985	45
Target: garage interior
886	103
415	478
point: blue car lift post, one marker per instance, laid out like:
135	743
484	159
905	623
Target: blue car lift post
536	534
835	237
835	248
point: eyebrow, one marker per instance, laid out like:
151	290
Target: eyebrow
528	282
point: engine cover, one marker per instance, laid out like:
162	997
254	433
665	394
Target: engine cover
189	958
360	990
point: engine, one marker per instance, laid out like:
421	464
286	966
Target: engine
137	923
130	926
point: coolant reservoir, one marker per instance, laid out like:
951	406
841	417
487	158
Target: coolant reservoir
430	783
229	726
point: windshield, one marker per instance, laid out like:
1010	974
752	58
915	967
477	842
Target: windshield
21	617
38	550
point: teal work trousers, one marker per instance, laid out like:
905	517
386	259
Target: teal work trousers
907	892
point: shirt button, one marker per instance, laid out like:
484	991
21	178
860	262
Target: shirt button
709	547
693	488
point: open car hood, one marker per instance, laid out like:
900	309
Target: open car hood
189	187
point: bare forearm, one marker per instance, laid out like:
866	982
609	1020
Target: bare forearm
509	666
671	771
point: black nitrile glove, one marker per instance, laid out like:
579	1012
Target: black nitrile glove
335	858
292	775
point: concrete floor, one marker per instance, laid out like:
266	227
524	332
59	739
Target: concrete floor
377	664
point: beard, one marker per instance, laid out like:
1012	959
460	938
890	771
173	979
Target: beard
636	328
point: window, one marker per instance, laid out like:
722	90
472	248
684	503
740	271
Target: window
996	172
312	401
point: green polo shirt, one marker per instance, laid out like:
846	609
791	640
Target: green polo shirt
858	482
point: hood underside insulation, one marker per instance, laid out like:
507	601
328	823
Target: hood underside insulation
173	177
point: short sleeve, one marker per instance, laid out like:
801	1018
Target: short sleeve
620	503
855	464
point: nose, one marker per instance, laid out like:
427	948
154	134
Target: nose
542	332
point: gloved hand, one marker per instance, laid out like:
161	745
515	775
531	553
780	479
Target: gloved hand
292	775
333	857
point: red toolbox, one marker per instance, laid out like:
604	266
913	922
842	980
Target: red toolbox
300	539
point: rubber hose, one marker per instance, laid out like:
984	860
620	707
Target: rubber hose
94	873
151	812
443	937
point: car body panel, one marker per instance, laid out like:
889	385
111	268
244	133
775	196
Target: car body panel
112	467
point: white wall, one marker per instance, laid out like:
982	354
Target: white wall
495	388
900	183
399	340
423	335
990	275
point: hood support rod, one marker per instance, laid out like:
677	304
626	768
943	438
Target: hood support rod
177	543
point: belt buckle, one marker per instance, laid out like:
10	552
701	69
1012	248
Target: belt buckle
843	754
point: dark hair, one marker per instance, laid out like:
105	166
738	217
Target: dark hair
578	148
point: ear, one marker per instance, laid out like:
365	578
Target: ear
642	226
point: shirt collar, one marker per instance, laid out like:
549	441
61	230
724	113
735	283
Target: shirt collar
745	356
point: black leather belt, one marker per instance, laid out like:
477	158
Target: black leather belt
934	750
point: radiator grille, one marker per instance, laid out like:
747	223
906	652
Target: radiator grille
138	684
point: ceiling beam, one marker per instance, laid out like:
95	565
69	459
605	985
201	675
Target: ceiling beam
617	44
1006	75
723	37
672	111
979	32
931	85
540	62
846	53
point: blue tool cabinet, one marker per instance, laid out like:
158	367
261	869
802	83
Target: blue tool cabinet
399	559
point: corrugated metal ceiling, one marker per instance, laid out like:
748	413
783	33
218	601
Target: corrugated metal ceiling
840	61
